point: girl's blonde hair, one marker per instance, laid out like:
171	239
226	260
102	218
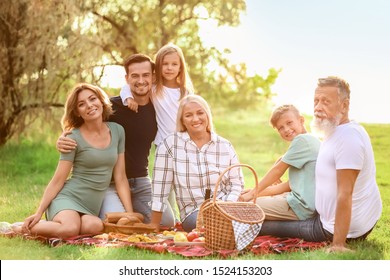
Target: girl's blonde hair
71	118
184	80
202	103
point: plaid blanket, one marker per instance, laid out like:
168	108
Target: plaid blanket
261	245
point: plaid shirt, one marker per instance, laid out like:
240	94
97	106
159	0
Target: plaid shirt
181	165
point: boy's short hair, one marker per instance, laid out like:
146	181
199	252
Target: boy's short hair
279	111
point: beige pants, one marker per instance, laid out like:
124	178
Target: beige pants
276	207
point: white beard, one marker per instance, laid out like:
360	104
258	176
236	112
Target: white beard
323	127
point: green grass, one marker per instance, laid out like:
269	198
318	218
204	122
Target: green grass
27	164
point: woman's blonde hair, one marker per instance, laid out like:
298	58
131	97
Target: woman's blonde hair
71	118
202	103
183	79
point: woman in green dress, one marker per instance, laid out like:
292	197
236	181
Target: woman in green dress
72	203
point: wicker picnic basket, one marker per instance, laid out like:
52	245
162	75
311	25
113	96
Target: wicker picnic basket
216	217
111	219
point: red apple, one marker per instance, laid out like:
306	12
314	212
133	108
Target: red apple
192	235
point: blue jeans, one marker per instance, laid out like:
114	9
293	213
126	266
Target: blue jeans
309	230
141	194
189	223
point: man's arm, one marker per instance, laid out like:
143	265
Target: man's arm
65	144
346	179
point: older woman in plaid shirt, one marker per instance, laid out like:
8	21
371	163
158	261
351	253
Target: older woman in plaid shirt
190	161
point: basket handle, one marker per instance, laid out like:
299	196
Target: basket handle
226	170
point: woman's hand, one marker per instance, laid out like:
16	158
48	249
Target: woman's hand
31	221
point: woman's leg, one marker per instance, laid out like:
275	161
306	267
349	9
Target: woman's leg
65	224
91	225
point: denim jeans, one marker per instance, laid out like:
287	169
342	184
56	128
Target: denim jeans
189	222
309	230
141	194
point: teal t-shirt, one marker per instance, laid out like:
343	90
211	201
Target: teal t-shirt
91	174
302	157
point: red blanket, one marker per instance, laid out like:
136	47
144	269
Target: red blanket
261	245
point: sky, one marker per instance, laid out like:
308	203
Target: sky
310	39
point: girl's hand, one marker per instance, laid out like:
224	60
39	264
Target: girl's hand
132	105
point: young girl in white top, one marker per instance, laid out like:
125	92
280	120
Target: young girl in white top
172	83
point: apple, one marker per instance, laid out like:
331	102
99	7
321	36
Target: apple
180	237
199	239
192	235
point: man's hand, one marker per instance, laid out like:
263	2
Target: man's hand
132	105
338	249
65	144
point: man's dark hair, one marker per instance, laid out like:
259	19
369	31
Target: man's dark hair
137	58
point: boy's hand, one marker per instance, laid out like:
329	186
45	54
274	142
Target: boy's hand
246	195
65	144
132	105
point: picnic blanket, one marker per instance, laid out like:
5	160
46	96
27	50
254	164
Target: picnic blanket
261	245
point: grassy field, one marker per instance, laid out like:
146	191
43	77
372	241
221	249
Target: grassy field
27	164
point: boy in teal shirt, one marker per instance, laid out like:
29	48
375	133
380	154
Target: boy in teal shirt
294	199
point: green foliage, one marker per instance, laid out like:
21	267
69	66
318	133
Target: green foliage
27	165
48	46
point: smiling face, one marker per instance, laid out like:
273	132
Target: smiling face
194	118
139	78
289	125
89	106
170	69
329	110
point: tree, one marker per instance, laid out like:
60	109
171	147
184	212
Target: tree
123	28
47	46
40	53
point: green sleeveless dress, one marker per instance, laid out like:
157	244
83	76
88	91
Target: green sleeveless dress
91	175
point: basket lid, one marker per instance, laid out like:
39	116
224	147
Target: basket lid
244	212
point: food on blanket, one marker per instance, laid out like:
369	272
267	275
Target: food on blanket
128	221
117	236
180	237
136	215
192	235
113	217
102	236
141	238
169	233
199	239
